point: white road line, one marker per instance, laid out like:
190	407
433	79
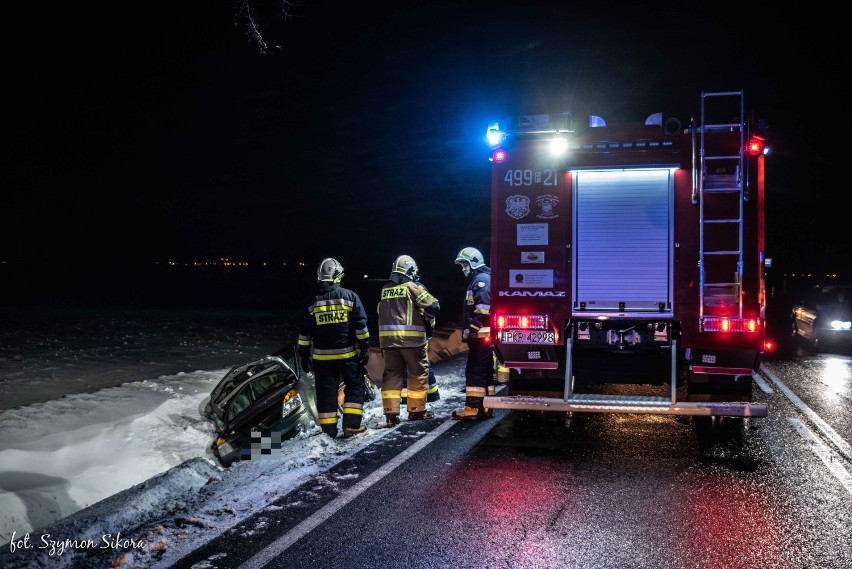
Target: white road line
824	453
825	428
281	544
765	387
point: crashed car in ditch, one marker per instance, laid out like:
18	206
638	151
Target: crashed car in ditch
258	405
271	396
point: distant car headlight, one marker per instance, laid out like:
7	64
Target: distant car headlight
292	403
841	324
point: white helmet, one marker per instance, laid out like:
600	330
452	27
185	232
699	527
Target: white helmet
405	265
329	271
472	256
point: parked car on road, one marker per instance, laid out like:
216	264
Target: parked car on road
271	397
823	316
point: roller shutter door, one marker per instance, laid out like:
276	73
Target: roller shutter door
622	240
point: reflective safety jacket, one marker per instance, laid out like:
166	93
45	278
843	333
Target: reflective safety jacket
476	311
334	323
405	308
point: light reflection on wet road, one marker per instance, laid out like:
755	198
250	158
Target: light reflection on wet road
523	490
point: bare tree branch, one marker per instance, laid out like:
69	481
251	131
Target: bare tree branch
256	17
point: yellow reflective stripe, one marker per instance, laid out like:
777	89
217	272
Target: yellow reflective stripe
423	296
332	307
328	420
416	394
334	351
400	327
362	335
433	389
386	333
390	394
475	391
304	342
334	356
352	411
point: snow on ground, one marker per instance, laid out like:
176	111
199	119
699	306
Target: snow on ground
137	455
127	464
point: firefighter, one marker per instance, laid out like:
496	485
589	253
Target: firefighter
432	394
405	307
476	311
329	331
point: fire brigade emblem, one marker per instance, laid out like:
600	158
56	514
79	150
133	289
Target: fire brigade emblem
547	203
517	206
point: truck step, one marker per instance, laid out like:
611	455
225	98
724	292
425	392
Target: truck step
598	399
593	403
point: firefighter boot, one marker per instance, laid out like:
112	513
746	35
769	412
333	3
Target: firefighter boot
391	420
330	430
420	415
349	431
470	414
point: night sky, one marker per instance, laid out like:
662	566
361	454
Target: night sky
157	131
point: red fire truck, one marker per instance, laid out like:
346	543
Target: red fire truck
629	254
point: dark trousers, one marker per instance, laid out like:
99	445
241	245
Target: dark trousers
478	372
328	375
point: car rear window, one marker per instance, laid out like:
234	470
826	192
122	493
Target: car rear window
254	390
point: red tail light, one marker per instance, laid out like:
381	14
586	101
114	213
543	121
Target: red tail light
499	155
725	324
755	145
521	321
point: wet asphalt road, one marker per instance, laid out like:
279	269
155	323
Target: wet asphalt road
522	490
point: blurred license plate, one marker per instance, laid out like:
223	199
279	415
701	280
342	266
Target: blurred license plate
528	337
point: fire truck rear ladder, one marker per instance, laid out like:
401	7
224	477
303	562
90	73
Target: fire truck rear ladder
720	201
719	176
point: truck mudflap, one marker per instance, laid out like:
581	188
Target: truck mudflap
593	403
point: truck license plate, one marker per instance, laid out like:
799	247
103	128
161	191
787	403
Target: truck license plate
528	337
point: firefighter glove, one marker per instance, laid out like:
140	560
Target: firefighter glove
363	358
465	334
306	364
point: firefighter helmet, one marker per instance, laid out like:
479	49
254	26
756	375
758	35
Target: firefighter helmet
471	256
405	265
329	271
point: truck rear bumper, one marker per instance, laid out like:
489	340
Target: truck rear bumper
593	403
